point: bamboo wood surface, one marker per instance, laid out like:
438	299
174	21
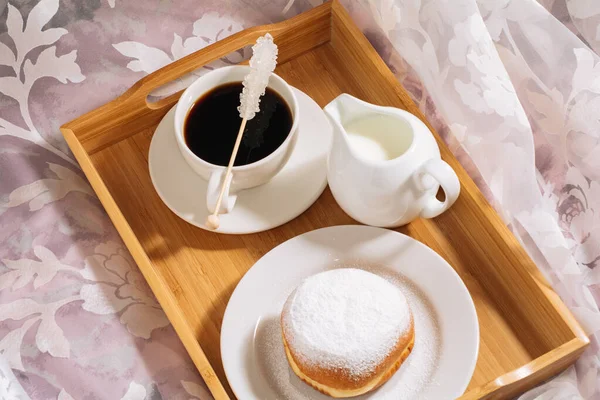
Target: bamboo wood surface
527	333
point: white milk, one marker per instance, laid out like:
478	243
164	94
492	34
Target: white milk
379	137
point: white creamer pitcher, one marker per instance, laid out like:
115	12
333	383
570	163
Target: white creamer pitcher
384	167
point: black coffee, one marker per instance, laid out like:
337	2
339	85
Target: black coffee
213	122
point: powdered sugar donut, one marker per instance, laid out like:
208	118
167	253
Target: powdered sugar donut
346	331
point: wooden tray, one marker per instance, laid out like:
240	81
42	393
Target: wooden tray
527	334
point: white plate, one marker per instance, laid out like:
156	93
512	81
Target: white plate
295	188
251	347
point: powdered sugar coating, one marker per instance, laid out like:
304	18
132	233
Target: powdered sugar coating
345	318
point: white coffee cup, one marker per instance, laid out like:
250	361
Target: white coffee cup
245	176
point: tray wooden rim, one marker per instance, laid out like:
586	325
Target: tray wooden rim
135	98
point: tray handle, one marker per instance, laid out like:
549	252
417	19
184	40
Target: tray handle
192	62
290	40
131	113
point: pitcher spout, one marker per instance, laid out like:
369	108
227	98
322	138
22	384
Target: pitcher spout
345	108
340	111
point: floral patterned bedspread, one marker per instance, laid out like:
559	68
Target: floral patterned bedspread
513	86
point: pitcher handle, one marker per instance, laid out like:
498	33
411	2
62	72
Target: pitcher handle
441	172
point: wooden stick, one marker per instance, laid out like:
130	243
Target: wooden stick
213	220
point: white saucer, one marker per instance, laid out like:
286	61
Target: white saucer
295	188
251	345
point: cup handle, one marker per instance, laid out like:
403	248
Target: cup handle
438	170
213	190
